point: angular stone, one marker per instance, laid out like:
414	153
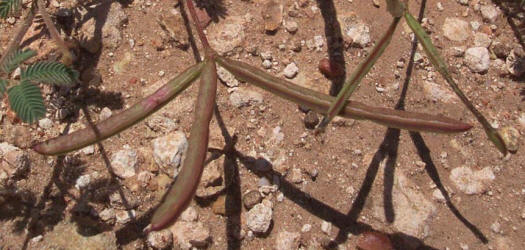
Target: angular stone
355	32
243	97
227	35
437	92
477	59
272	14
124	162
510	136
168	152
489	13
456	29
226	77
190	234
472	182
15	162
252	198
213	181
259	218
160	239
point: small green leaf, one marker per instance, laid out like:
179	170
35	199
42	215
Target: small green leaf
8	7
50	72
3	87
17	57
27	102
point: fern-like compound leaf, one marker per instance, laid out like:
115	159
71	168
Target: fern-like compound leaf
8	7
3	87
50	73
27	102
15	58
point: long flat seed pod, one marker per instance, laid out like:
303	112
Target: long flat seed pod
351	84
442	68
320	102
127	118
181	193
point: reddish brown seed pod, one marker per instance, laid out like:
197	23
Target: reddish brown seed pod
374	241
330	69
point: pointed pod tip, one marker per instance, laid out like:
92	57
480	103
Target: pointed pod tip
37	148
148	229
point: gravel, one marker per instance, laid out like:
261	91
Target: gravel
456	29
477	59
291	70
259	218
168	151
124	163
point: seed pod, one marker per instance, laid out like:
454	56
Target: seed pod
331	69
374	241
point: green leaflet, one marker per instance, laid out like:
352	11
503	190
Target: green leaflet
442	68
14	59
8	7
27	102
3	86
51	73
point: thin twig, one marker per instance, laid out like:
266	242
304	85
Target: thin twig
19	35
196	21
66	54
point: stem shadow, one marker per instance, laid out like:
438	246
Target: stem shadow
335	43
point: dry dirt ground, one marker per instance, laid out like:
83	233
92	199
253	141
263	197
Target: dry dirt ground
367	177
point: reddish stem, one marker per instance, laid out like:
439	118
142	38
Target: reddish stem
200	30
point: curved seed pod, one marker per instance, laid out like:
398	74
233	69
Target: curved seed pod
117	123
351	84
320	102
442	68
180	194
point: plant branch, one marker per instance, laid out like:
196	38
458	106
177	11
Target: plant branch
197	23
67	57
19	35
181	193
320	102
127	118
442	68
361	71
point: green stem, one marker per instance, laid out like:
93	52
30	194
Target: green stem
117	123
356	77
442	68
181	193
320	102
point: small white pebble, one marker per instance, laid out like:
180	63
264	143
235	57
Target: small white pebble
326	227
306	228
267	64
495	227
